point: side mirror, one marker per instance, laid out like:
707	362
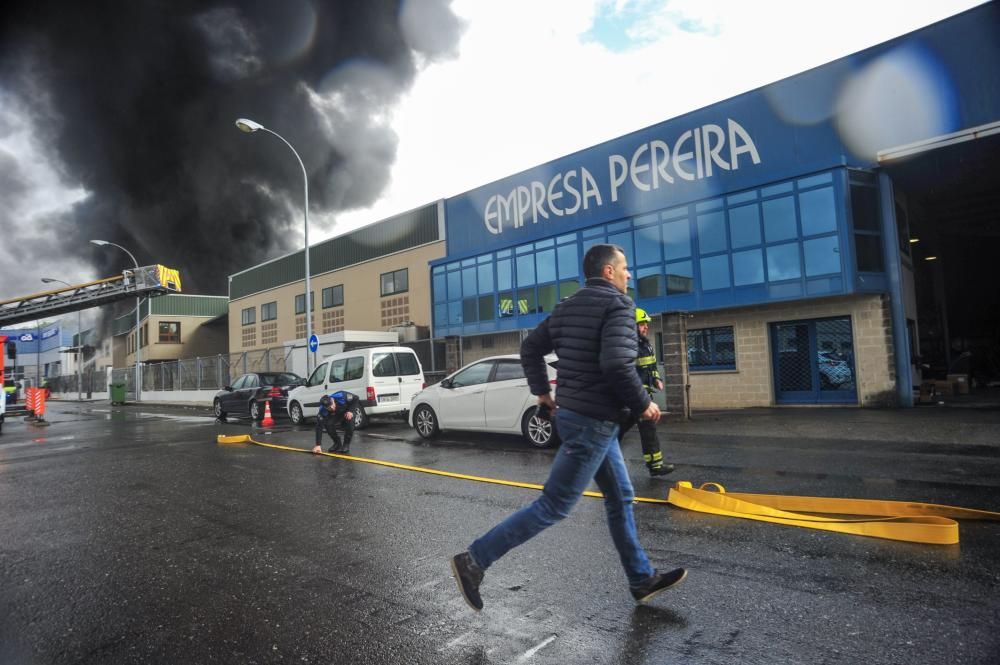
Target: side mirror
446	383
228	389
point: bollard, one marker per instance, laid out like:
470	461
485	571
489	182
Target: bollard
29	402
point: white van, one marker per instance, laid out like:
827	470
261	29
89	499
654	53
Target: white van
385	379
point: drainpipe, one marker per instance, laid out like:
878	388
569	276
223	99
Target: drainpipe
894	274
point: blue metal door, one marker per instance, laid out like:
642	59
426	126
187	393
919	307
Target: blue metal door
813	362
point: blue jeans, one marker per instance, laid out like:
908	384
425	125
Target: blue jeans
589	450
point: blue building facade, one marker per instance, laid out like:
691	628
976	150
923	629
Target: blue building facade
766	202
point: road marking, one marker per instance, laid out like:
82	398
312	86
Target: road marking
524	657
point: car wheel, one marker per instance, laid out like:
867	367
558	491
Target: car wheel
360	418
255	413
539	432
295	413
425	421
219	413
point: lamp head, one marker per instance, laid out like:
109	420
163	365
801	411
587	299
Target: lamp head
247	125
99	243
49	280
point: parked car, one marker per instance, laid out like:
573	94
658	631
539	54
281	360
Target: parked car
834	370
489	395
384	378
246	396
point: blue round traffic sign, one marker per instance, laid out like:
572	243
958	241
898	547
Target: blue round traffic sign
313	343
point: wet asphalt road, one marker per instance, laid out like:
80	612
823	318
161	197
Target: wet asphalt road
128	535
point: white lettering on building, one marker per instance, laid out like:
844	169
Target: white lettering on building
696	154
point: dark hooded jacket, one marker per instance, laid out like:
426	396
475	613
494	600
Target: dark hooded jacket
593	334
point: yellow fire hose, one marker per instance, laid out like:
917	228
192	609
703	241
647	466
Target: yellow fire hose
895	520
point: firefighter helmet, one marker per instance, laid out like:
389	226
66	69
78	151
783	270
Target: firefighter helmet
641	316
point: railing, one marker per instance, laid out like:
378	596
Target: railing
214	372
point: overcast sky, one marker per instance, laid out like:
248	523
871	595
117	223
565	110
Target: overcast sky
508	85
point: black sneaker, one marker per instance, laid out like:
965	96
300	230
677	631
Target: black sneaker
468	576
661	470
658	583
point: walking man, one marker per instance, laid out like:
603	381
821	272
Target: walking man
645	365
336	409
593	333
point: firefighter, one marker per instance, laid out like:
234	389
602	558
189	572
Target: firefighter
645	365
336	409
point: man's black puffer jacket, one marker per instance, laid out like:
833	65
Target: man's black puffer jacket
593	333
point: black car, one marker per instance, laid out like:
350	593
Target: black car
248	393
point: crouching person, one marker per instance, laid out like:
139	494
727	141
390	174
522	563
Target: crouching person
336	409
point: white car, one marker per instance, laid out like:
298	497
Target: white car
489	395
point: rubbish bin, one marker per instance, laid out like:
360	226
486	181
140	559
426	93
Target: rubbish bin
117	393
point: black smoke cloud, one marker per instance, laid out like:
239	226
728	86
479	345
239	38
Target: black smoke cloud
135	101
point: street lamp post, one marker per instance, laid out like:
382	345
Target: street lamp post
79	335
138	300
249	126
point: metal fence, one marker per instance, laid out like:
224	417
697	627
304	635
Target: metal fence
214	372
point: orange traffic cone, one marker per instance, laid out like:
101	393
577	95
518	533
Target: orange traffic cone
268	420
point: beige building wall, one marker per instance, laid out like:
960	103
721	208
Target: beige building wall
196	339
364	307
752	382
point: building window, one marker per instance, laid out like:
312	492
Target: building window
248	316
300	303
711	349
144	335
170	332
867	224
333	296
269	311
395	282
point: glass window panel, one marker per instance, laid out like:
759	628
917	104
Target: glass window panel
455	313
650	282
569	261
674	213
647	245
468	262
818	211
503	273
470	310
541	244
816	180
714	204
864	208
469	282
526	301
502	254
566	289
715	272
526	270
774	190
783	262
546	265
402	280
646	219
569	237
822	256
869	248
680	277
506	305
487	308
441	314
547	297
594	232
743	197
618	226
508	370
485	258
676	240
485	273
712	233
744	226
748	267
454	284
624	240
779	219
524	249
